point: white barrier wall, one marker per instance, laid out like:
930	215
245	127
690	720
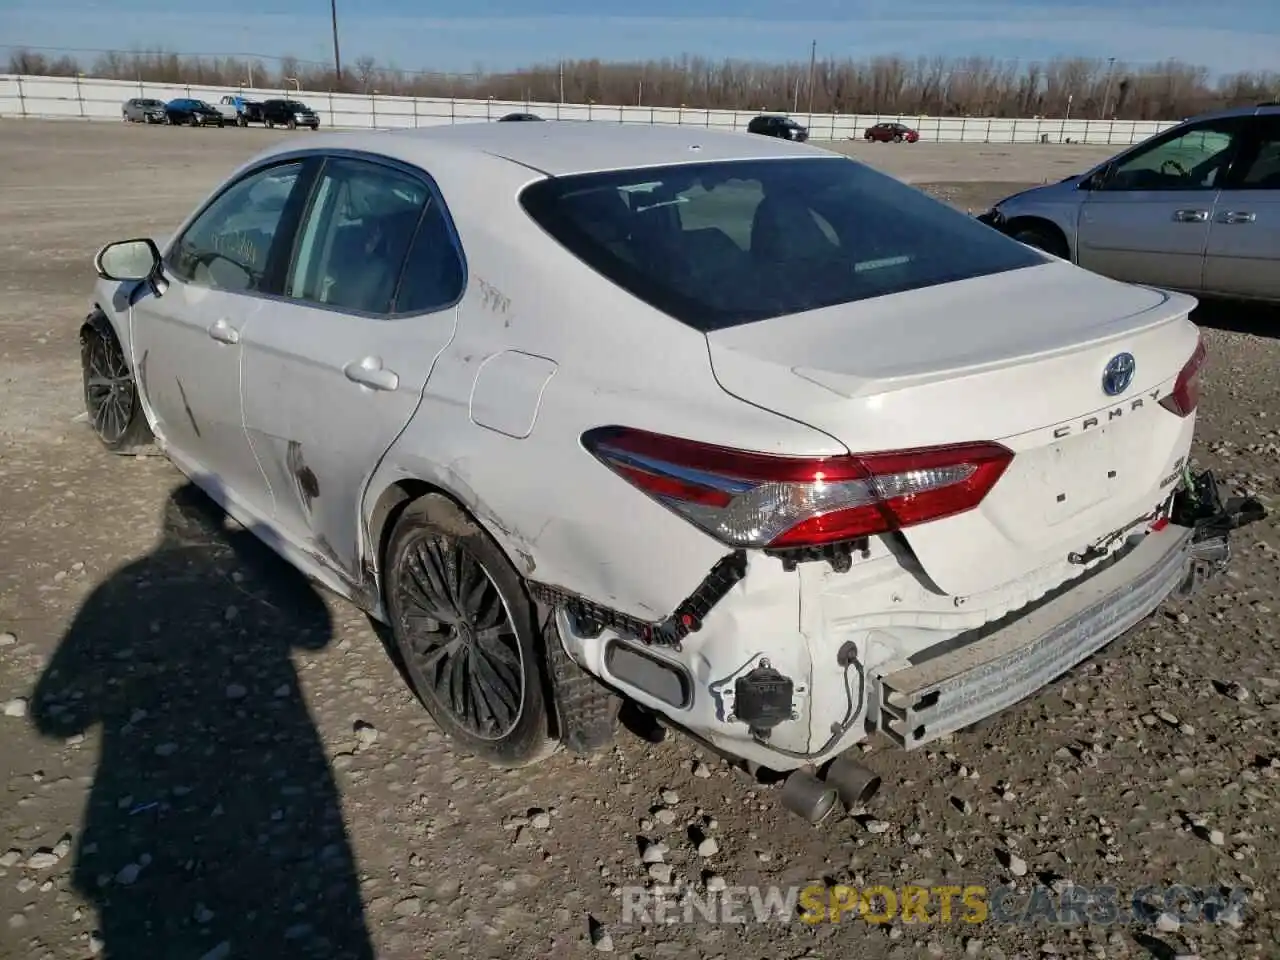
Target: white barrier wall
93	99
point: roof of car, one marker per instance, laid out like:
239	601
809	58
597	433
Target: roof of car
560	147
1246	111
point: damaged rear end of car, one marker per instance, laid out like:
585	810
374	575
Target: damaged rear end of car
999	483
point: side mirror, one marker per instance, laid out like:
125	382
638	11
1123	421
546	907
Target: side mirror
1095	180
127	260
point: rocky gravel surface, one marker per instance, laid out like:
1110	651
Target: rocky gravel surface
202	756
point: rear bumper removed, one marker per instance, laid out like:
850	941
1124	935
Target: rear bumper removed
1008	662
732	665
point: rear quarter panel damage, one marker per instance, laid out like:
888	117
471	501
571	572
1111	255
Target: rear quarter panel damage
551	505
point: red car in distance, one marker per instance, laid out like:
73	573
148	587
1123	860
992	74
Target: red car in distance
886	132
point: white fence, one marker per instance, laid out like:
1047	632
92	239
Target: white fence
92	99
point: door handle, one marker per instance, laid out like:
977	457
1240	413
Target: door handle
1191	216
223	332
370	372
1237	216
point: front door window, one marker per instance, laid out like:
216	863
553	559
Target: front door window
1193	160
227	246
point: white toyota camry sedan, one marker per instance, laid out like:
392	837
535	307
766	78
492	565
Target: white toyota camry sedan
780	451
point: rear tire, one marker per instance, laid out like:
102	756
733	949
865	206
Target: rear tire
292	124
466	631
1042	238
587	713
110	391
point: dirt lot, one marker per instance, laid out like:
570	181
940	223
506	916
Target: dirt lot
202	757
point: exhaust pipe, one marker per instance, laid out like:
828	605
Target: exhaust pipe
854	783
807	796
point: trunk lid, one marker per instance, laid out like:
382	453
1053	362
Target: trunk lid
1016	358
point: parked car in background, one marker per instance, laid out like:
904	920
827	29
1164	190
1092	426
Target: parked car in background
1194	208
142	110
519	116
774	125
240	110
888	132
289	113
832	468
186	111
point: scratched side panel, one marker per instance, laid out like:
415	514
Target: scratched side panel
561	516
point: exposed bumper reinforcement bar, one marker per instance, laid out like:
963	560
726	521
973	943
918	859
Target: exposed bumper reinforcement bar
964	685
952	691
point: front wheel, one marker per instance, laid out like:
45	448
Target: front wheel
241	121
111	392
466	631
897	138
1042	238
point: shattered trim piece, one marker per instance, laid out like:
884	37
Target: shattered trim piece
591	618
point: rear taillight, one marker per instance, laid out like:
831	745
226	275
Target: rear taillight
1186	389
749	499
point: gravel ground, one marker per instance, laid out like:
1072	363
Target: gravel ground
203	757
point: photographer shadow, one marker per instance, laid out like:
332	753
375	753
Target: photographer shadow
214	826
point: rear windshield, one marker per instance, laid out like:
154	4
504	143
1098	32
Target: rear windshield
720	244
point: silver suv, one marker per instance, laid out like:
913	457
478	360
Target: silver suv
1195	208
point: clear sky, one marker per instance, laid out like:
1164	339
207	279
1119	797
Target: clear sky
460	35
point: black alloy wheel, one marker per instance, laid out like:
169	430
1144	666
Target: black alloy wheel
111	394
466	633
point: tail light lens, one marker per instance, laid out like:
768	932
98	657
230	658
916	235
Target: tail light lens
1186	389
747	499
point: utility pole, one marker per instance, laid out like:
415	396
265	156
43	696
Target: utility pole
337	57
813	55
562	81
1106	98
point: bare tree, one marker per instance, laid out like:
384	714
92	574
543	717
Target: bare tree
365	67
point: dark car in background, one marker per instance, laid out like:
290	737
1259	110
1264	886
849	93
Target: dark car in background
518	117
188	112
289	113
775	125
142	110
889	132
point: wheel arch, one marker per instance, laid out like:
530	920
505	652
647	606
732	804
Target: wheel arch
1044	224
395	496
99	321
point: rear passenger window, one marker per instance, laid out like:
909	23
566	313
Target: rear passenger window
433	274
353	242
1262	170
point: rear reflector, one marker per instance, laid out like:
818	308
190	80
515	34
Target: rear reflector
1186	389
747	499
